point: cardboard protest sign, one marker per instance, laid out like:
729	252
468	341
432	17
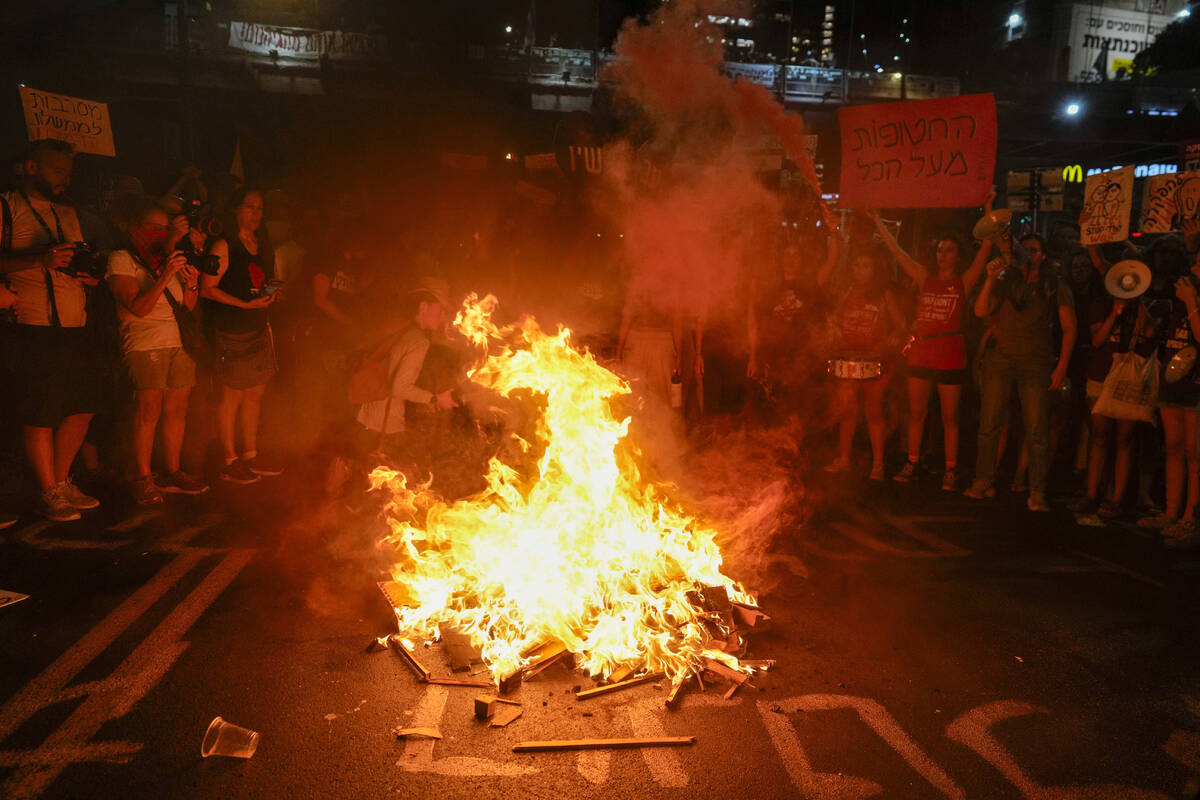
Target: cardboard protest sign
919	154
1168	201
1107	204
83	123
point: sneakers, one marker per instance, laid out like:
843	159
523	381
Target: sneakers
179	482
78	499
950	481
53	505
907	473
1037	501
877	472
145	493
238	472
7	520
838	465
980	490
1083	505
1187	539
260	467
1157	522
1109	510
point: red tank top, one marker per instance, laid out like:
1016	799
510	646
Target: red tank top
940	343
863	323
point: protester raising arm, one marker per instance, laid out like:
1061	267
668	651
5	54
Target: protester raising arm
833	247
911	267
986	302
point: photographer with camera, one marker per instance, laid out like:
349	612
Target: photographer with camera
48	266
238	295
150	280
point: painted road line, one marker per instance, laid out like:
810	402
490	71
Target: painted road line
1119	569
973	730
593	765
812	785
107	752
43	690
184	536
910	526
136	676
33	535
418	753
139	518
821	785
645	717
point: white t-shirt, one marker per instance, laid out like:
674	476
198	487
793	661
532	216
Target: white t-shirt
158	329
30	238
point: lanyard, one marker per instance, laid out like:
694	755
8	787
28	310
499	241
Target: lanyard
62	237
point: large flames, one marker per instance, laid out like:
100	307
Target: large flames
583	551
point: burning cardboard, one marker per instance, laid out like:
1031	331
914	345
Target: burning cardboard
574	552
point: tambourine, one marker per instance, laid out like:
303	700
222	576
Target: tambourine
1180	365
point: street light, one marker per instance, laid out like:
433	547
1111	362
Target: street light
508	28
1014	20
1072	109
1183	14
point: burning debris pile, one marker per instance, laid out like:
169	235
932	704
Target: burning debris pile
577	555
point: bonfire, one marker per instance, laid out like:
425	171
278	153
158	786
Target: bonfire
575	552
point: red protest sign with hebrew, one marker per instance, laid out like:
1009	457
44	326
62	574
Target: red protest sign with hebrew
918	154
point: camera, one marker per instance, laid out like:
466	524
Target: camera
205	265
269	288
200	217
86	263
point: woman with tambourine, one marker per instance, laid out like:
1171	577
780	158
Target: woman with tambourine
937	350
866	321
1178	398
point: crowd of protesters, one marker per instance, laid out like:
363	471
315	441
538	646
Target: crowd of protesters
204	313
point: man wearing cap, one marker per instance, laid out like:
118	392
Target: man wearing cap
425	312
1020	298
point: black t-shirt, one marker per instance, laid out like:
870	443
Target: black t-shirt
244	278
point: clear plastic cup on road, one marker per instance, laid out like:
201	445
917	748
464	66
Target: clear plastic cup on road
226	739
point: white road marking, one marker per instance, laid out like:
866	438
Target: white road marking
973	730
885	726
44	690
108	752
593	765
136	676
812	785
33	535
418	753
139	518
646	718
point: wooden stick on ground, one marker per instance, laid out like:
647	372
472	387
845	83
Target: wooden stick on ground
408	658
456	682
601	744
616	687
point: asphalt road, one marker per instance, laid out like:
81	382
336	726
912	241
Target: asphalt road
927	647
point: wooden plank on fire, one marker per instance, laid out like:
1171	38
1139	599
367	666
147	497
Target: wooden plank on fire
750	619
537	670
675	695
586	694
620	674
395	593
408	658
728	673
601	744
